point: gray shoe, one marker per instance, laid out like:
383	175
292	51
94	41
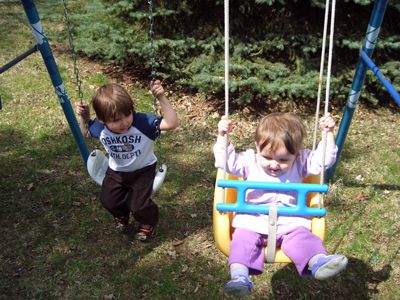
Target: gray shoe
328	266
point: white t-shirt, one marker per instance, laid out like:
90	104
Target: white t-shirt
132	150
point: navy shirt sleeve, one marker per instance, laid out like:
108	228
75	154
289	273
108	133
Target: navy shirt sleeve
95	128
148	124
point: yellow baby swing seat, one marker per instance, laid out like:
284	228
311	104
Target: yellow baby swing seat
222	220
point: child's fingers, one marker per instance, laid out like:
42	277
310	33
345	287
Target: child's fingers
225	125
156	88
327	122
155	83
222	124
81	108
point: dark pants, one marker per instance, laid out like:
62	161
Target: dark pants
125	192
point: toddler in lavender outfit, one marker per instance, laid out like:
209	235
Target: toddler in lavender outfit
279	157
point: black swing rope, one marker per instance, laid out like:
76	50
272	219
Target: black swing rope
153	73
78	82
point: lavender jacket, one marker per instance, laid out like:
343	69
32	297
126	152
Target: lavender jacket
245	165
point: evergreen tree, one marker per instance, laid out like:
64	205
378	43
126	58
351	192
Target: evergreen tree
274	44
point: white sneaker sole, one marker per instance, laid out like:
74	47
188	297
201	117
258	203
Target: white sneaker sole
331	268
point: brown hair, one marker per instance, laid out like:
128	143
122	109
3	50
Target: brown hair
110	101
280	129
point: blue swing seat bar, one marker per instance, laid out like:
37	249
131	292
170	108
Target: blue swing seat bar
302	189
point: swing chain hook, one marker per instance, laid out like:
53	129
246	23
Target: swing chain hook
78	81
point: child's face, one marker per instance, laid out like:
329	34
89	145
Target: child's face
120	124
275	163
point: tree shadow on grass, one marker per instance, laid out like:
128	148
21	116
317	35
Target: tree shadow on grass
358	281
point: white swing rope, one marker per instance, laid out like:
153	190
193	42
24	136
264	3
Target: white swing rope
321	74
226	75
226	82
320	81
327	92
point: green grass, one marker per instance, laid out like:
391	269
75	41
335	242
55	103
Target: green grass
59	243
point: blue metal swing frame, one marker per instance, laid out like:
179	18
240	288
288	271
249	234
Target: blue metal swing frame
52	68
364	63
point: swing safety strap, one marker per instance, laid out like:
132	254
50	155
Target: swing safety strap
272	221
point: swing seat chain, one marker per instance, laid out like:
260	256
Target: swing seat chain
78	81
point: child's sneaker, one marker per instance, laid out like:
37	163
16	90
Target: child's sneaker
240	286
145	232
328	266
121	224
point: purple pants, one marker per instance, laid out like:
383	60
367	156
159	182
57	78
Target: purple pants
299	244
